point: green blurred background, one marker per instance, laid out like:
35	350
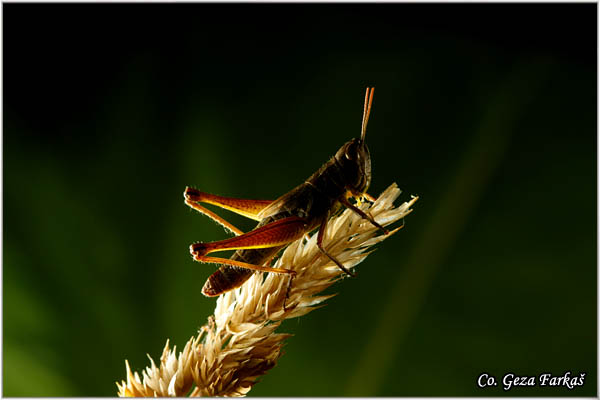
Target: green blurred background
487	112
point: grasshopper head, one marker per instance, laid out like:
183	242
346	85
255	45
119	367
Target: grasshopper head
355	162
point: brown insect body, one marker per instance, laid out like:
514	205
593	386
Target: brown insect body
303	209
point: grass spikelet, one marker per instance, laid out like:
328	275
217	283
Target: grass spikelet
239	344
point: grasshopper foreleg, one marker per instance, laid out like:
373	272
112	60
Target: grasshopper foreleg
320	246
360	212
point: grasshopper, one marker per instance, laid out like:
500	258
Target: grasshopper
280	222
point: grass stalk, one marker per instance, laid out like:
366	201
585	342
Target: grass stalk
239	342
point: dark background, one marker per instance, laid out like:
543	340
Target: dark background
487	112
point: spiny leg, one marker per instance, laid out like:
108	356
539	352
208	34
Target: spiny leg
247	208
320	246
241	264
360	212
220	220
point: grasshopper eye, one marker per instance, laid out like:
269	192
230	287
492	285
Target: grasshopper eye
350	153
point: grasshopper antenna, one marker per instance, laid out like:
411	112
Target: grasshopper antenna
366	112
